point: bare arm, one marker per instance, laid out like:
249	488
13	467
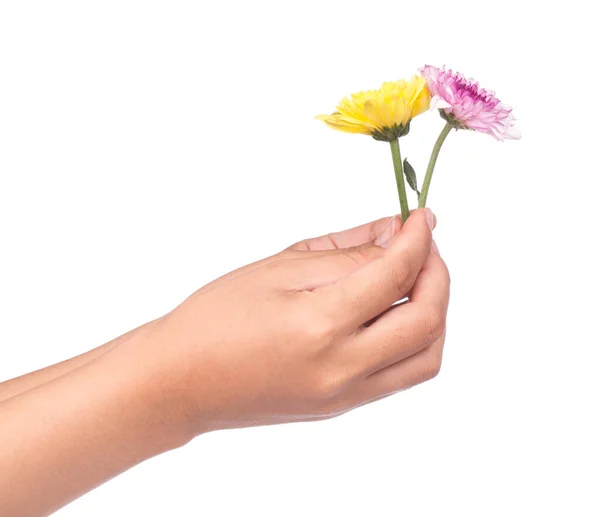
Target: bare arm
62	438
281	340
20	384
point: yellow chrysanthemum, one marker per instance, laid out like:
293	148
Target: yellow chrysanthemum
385	114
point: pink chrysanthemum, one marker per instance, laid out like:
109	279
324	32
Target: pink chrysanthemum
463	103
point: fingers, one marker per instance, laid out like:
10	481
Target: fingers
381	229
408	328
307	271
371	289
352	237
416	369
374	232
309	274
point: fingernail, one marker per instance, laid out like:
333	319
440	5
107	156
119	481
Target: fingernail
429	217
435	248
387	233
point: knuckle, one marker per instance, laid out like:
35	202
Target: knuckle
400	278
433	369
352	256
275	267
427	373
363	254
291	252
327	385
434	325
446	272
320	329
310	323
432	365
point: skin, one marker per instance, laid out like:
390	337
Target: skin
306	334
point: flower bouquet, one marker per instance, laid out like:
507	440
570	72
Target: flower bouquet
386	114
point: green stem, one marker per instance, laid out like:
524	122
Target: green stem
431	166
397	159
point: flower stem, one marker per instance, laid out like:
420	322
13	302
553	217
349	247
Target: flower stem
397	159
431	166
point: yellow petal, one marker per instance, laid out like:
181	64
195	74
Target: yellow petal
370	111
336	122
374	114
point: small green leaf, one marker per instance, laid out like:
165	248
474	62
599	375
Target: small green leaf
411	176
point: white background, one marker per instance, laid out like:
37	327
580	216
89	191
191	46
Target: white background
149	147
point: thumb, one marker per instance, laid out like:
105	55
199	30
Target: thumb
377	285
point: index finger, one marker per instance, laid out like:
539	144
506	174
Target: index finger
351	237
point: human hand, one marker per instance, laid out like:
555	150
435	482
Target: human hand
303	335
285	339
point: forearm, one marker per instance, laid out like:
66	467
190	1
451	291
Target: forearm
13	387
69	435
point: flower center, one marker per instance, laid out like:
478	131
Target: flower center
467	89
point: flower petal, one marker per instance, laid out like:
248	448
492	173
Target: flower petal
472	106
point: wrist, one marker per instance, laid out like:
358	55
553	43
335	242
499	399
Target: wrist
150	366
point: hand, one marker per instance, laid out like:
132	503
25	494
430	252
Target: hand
285	339
303	335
